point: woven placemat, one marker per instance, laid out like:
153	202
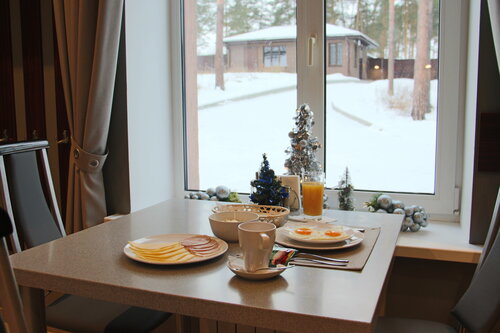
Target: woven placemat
357	255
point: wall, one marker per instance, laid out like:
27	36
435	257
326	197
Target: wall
149	111
486	179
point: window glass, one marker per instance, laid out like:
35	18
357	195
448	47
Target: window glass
240	89
382	117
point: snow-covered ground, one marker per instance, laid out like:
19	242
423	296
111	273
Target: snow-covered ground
384	148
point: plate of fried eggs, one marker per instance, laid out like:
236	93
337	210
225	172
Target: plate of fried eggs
319	234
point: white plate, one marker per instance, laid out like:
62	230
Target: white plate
235	264
282	239
172	238
347	232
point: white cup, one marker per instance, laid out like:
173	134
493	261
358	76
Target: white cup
256	242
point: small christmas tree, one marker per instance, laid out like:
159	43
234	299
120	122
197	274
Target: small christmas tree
345	192
303	145
268	189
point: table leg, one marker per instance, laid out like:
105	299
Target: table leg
34	309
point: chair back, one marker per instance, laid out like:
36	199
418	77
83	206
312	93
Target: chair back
10	299
479	308
37	217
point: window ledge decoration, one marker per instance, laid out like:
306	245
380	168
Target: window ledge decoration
415	216
220	193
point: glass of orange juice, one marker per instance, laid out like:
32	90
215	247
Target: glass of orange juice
313	186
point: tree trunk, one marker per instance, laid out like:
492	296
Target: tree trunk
421	78
219	56
390	43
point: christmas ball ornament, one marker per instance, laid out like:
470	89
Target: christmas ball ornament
384	201
409	211
415	216
418	217
383	211
303	143
211	191
203	196
398	204
407	221
415	227
187	196
222	192
399	211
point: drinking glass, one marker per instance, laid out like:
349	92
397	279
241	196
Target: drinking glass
313	185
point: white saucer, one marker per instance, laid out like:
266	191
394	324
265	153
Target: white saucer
305	218
235	264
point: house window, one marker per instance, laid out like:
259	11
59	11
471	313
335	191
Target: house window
359	123
336	54
274	56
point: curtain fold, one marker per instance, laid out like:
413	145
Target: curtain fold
88	35
494	9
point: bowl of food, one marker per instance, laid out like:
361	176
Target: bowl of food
225	224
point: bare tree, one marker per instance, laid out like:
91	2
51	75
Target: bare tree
421	77
219	56
390	44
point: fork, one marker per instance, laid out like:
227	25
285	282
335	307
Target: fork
308	262
304	255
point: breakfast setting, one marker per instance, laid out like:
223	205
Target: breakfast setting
266	240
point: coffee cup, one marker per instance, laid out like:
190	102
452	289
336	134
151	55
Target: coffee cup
256	242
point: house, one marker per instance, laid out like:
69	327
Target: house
274	50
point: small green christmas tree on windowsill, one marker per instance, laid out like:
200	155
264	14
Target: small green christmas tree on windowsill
345	192
267	187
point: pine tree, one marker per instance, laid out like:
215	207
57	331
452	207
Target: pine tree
268	189
303	144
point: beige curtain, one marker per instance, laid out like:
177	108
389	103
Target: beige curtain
88	34
494	9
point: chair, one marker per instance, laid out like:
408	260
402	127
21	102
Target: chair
36	220
9	293
478	310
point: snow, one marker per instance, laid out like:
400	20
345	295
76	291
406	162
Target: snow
290	32
384	148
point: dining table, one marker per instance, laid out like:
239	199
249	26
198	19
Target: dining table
91	263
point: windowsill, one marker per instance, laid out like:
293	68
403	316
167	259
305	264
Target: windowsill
445	241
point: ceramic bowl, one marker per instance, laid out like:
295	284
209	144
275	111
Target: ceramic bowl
225	224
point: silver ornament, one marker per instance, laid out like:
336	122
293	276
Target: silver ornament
222	192
398	204
418	217
415	227
399	211
384	201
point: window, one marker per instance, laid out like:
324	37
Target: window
229	124
335	54
274	56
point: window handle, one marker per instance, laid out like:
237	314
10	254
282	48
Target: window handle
310	49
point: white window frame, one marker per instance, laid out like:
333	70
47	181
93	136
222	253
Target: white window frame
443	205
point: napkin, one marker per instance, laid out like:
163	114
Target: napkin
281	256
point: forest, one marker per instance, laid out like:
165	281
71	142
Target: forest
370	17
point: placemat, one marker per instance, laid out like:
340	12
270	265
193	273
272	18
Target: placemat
357	255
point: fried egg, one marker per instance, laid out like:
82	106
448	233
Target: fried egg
309	233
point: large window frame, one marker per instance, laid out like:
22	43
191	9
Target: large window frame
311	65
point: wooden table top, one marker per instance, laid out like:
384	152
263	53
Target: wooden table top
91	263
